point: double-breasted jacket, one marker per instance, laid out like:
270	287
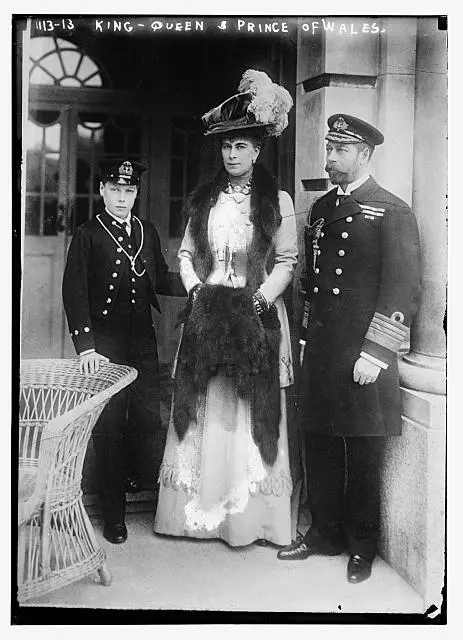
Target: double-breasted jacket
363	284
98	270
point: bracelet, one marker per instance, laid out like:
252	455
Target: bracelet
194	291
260	303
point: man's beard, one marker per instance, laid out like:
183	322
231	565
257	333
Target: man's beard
338	177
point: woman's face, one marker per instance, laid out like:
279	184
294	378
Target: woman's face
239	155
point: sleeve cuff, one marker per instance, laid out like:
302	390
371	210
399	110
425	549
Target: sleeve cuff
84	353
374	360
387	333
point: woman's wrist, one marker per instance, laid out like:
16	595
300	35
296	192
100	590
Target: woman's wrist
261	304
194	291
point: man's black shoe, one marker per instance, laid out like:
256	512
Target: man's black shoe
358	569
115	533
298	550
309	545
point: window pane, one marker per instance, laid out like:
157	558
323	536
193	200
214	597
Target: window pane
94	81
33	172
38	76
42	117
81	211
83	176
51	172
32	218
52	137
86	69
69	68
41	46
70	61
52	64
49	218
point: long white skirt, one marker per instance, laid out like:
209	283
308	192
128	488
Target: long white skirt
214	483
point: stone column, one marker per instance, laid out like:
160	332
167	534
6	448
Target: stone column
423	369
413	467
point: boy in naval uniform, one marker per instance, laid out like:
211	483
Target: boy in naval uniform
363	283
114	271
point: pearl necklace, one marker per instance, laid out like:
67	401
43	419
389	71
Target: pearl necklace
245	189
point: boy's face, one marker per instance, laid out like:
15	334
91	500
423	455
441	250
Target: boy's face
118	198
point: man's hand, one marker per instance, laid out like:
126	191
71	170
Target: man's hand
90	362
365	372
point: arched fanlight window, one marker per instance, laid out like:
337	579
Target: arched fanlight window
55	61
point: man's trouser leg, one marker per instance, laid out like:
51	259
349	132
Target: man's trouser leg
144	436
111	340
325	461
361	515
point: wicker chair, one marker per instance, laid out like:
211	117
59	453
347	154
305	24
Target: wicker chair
58	409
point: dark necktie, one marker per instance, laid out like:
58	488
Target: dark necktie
342	198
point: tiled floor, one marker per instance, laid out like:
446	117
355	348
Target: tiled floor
153	572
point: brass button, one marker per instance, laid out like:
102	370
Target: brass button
108	300
105	312
344	235
129	246
115	223
317	270
338	272
322	235
114	275
349	219
133	291
336	291
120	238
86	329
76	332
315	289
341	252
111	287
133	279
119	250
118	262
133	301
319	252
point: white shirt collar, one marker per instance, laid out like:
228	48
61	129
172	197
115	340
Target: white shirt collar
352	186
127	220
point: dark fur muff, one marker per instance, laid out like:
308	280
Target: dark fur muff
222	330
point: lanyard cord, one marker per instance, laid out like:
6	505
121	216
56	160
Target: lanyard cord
132	260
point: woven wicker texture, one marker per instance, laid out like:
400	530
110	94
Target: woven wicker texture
58	409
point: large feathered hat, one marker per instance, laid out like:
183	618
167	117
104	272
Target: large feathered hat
259	103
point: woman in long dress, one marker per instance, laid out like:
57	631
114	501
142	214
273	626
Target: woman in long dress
225	472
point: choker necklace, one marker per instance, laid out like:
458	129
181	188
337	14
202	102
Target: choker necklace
245	189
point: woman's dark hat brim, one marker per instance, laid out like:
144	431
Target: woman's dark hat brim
237	126
231	115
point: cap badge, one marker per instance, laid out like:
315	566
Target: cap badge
126	169
340	124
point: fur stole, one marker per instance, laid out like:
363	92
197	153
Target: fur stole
222	330
265	216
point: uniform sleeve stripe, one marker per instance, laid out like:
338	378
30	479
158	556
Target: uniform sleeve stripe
393	344
388	330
